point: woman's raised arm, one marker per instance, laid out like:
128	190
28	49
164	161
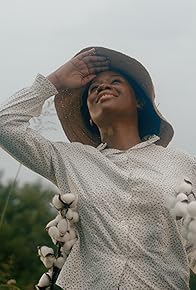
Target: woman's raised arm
23	143
20	141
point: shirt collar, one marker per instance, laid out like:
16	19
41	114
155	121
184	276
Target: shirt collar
147	141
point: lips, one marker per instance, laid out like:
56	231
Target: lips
103	96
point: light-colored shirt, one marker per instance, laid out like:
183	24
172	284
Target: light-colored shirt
127	237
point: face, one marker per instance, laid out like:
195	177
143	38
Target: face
111	98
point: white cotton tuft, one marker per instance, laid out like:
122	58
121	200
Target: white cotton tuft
56	202
51	224
49	261
66	237
60	261
73	216
192	208
181	197
44	251
53	232
62	226
69	214
185	187
68	197
187	220
44	281
180	209
68	245
72	233
54	222
192	226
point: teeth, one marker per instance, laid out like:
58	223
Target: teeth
107	95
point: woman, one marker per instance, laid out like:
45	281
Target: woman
119	165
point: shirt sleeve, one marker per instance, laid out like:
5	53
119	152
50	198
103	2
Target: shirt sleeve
20	141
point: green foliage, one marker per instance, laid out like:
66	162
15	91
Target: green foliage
7	287
192	281
22	231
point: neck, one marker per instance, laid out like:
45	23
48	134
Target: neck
120	137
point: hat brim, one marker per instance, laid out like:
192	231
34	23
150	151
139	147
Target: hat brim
68	105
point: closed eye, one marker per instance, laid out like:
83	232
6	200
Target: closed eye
116	81
93	88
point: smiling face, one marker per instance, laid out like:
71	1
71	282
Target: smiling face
111	98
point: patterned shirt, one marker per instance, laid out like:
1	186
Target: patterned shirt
127	237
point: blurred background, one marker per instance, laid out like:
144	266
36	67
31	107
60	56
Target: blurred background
37	36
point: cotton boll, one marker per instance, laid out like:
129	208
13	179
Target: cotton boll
180	209
63	212
44	281
51	224
74	204
68	198
49	261
41	258
44	251
69	214
192	226
185	187
192	208
66	237
56	202
181	197
187	220
75	217
53	232
62	226
60	261
68	245
72	233
63	254
54	222
72	215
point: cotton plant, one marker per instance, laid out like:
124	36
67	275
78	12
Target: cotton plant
63	234
181	207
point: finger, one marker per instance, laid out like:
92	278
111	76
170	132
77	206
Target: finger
91	51
96	70
94	58
98	64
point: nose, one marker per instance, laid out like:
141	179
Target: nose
103	86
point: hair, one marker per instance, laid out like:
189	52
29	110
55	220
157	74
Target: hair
148	120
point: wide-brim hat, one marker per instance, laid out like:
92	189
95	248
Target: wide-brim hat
68	102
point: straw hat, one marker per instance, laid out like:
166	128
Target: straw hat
68	102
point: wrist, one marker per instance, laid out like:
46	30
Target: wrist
54	80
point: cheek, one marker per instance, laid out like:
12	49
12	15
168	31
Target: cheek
90	107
